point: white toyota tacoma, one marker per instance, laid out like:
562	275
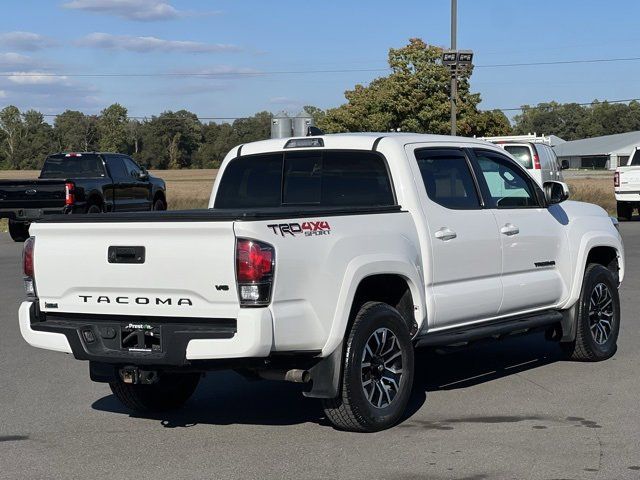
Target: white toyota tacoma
326	260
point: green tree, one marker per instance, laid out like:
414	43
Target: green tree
75	131
170	140
112	128
39	140
13	133
414	97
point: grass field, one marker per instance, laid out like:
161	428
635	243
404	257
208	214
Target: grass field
191	188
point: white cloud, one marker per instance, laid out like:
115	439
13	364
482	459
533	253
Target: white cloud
36	78
12	61
36	89
140	10
150	44
25	41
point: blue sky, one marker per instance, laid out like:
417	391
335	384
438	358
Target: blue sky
250	37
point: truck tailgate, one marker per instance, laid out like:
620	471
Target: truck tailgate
187	269
629	179
32	193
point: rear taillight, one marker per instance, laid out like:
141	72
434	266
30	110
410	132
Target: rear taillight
255	263
27	265
536	161
616	179
69	193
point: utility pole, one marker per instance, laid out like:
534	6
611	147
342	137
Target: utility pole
454	71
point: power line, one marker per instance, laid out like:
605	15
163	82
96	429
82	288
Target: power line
559	62
571	103
297	72
169	117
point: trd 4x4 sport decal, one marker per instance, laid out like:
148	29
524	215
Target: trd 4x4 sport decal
308	229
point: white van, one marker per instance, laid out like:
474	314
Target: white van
537	157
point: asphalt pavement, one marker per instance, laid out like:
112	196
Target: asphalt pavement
508	410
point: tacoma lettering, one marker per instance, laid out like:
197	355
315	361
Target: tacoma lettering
138	300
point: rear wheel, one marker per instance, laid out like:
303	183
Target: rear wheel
94	209
624	210
598	317
170	392
19	231
377	373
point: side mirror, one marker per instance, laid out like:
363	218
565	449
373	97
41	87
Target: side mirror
555	192
564	164
143	175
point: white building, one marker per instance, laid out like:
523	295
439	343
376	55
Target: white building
606	152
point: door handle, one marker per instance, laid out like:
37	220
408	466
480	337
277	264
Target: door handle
446	234
509	229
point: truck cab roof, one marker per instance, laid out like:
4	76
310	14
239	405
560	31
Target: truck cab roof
355	141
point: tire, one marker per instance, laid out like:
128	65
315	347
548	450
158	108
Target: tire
159	204
598	317
19	231
94	209
170	392
369	401
624	210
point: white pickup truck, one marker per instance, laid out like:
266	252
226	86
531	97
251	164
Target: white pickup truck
626	184
326	260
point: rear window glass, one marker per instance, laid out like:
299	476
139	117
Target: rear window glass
522	154
60	166
320	178
251	182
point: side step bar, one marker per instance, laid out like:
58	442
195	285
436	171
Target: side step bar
502	327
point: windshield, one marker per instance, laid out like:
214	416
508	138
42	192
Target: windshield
522	154
60	166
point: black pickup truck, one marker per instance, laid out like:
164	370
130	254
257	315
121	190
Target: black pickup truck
87	182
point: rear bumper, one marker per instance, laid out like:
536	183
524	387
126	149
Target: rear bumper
99	338
31	214
629	196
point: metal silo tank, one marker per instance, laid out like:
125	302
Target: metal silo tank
281	125
301	123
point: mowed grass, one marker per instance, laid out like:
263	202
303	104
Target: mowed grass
188	189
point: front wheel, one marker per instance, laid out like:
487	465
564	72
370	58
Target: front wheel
598	317
19	231
170	392
159	204
377	373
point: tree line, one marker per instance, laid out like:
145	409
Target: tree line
413	97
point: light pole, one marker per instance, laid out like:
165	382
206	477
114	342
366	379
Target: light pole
457	61
454	72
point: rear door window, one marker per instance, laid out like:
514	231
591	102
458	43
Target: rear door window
522	154
448	178
81	166
635	160
117	167
320	178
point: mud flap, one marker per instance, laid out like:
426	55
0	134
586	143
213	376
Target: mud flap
326	376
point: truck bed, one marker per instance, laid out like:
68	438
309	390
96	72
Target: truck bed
217	215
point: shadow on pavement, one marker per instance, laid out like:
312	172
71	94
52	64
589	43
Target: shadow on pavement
225	398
